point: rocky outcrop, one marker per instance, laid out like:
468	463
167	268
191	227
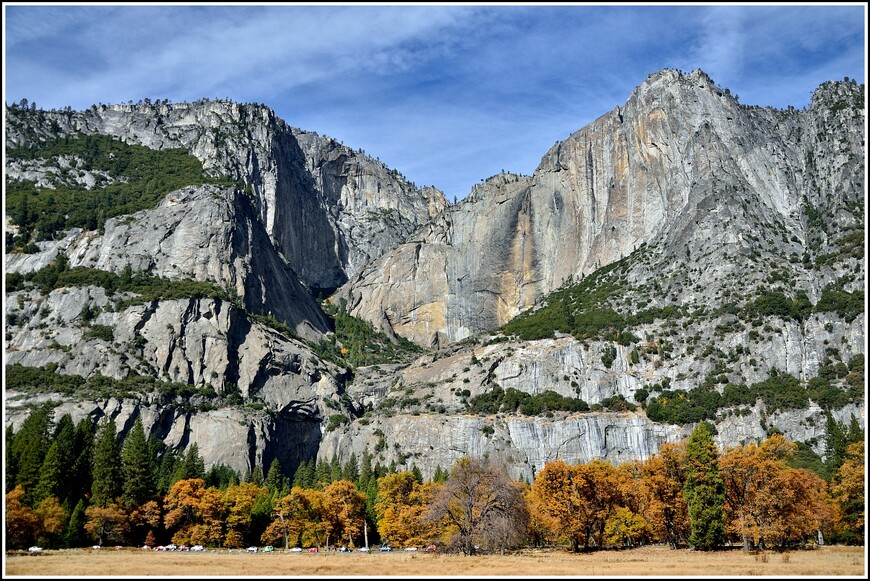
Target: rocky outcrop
682	167
206	234
328	208
522	445
238	438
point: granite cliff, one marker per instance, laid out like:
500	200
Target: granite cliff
680	246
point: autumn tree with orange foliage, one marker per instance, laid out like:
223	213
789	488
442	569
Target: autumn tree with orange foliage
575	502
299	516
848	492
767	502
287	519
664	477
52	518
22	524
558	498
146	519
107	524
344	510
195	513
401	510
238	501
627	524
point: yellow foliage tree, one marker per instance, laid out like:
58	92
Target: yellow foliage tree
664	477
626	528
344	510
767	502
238	502
196	513
401	510
559	499
22	523
52	517
848	491
107	523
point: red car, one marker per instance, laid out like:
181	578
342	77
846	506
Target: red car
313	550
431	549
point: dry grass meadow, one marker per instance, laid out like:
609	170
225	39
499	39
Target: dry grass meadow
658	561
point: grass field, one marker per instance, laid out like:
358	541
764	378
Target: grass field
646	561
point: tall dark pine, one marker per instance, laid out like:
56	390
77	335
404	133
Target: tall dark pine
29	447
65	438
81	471
704	490
49	475
106	471
136	467
274	478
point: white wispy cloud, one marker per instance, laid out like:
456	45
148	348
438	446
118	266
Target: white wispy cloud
446	94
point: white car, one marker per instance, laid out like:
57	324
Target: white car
252	549
296	550
410	549
363	549
35	549
196	548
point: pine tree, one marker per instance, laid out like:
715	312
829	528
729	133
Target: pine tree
351	469
106	472
304	476
274	478
80	475
439	475
65	438
192	465
335	472
75	528
835	444
49	475
166	467
704	490
137	468
255	476
366	471
29	446
322	475
418	475
11	465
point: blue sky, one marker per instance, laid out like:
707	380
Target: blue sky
448	94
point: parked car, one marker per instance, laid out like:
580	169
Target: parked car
431	549
363	549
197	548
313	550
410	549
296	550
386	548
171	547
268	549
253	549
35	549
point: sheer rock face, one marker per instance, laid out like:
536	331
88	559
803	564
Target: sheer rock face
231	436
522	444
681	167
328	208
206	234
715	194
